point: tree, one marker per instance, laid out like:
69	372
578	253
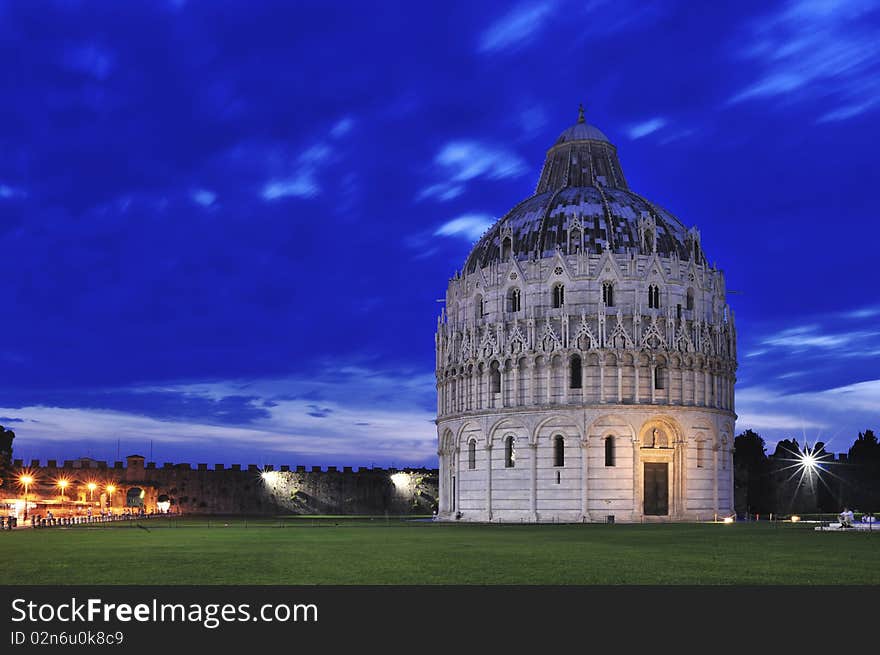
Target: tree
864	461
752	492
6	437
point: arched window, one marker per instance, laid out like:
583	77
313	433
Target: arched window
558	296
513	300
609	450
689	301
700	453
495	378
506	248
472	454
653	297
509	452
659	375
479	307
574	241
575	379
558	450
608	294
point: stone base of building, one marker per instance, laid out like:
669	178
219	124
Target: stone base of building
693	516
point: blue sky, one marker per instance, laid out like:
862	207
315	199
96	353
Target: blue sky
224	226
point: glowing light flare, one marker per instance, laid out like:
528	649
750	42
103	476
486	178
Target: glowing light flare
809	460
25	479
728	519
401	480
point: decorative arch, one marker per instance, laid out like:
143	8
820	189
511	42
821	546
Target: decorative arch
668	432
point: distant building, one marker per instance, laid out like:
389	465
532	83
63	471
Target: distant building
586	358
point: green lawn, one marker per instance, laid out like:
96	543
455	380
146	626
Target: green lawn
380	551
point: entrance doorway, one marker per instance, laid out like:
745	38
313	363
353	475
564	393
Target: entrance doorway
656	488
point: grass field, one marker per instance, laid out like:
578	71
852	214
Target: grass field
338	551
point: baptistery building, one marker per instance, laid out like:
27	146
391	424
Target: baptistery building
586	358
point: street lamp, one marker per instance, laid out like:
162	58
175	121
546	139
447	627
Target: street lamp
110	489
62	484
26	480
91	487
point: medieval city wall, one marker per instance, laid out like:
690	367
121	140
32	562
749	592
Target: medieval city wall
236	489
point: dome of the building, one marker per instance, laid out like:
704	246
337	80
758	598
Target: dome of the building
582	131
581	187
607	219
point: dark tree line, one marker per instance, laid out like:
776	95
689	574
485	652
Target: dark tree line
6	472
781	484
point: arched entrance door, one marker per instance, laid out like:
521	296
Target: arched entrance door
656	489
657	452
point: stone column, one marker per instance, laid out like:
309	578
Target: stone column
583	379
715	480
682	467
456	474
601	381
489	481
678	463
585	479
619	382
652	385
637	505
515	384
549	380
533	383
502	374
636	376
730	499
533	495
442	505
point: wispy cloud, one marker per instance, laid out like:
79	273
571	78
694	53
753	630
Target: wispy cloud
303	182
463	160
834	414
204	197
644	128
812	336
466	160
814	49
441	191
301	185
342	127
469	226
862	312
516	28
7	191
347	414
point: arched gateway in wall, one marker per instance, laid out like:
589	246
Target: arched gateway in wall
586	358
